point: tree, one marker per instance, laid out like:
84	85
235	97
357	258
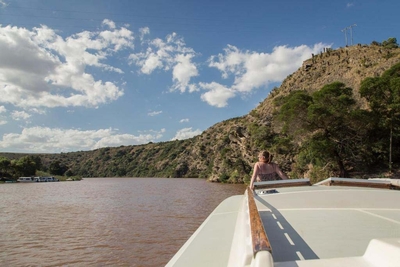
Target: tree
5	164
390	43
328	122
383	96
25	166
56	168
69	173
294	112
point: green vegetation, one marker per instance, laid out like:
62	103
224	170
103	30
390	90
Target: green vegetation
383	95
32	166
24	166
334	136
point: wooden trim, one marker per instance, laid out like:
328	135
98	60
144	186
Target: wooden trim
356	184
258	236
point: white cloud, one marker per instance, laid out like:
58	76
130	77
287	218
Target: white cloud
217	94
252	70
144	31
20	115
186	133
165	55
38	68
54	140
38	111
154	113
230	62
3	3
3	110
109	23
184	120
349	5
183	71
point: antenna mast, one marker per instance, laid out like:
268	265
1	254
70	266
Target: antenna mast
351	32
345	34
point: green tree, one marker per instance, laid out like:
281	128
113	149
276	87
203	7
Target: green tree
294	113
56	168
328	121
390	43
5	164
25	166
69	173
383	95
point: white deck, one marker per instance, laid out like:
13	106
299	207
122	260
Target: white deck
306	226
321	222
210	245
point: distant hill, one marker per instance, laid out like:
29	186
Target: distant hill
227	150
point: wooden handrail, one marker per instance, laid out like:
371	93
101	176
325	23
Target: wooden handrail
259	237
355	182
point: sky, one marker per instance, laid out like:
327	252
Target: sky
78	75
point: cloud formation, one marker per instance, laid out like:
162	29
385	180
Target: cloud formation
38	68
3	3
54	140
217	94
154	113
251	70
186	133
20	115
169	54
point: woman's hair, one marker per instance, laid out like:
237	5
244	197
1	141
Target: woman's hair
266	156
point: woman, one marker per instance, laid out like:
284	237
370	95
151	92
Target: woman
266	170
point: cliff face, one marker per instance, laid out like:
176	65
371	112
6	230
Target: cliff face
227	150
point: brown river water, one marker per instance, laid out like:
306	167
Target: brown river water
103	221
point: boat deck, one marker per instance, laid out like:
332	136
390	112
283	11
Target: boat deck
322	222
210	245
305	226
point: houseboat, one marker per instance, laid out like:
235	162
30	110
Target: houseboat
28	179
38	179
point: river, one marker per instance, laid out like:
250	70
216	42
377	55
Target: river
103	221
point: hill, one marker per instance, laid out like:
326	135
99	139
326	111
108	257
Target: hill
227	151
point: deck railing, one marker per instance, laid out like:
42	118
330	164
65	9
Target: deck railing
336	181
259	237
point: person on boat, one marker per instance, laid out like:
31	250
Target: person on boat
266	170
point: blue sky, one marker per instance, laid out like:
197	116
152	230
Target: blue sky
84	74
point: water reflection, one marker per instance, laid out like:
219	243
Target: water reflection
103	221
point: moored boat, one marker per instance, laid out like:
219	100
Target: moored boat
51	179
337	222
39	179
27	179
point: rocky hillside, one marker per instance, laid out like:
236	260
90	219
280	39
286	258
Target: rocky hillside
226	151
349	65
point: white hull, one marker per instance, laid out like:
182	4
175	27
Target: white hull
27	179
37	179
